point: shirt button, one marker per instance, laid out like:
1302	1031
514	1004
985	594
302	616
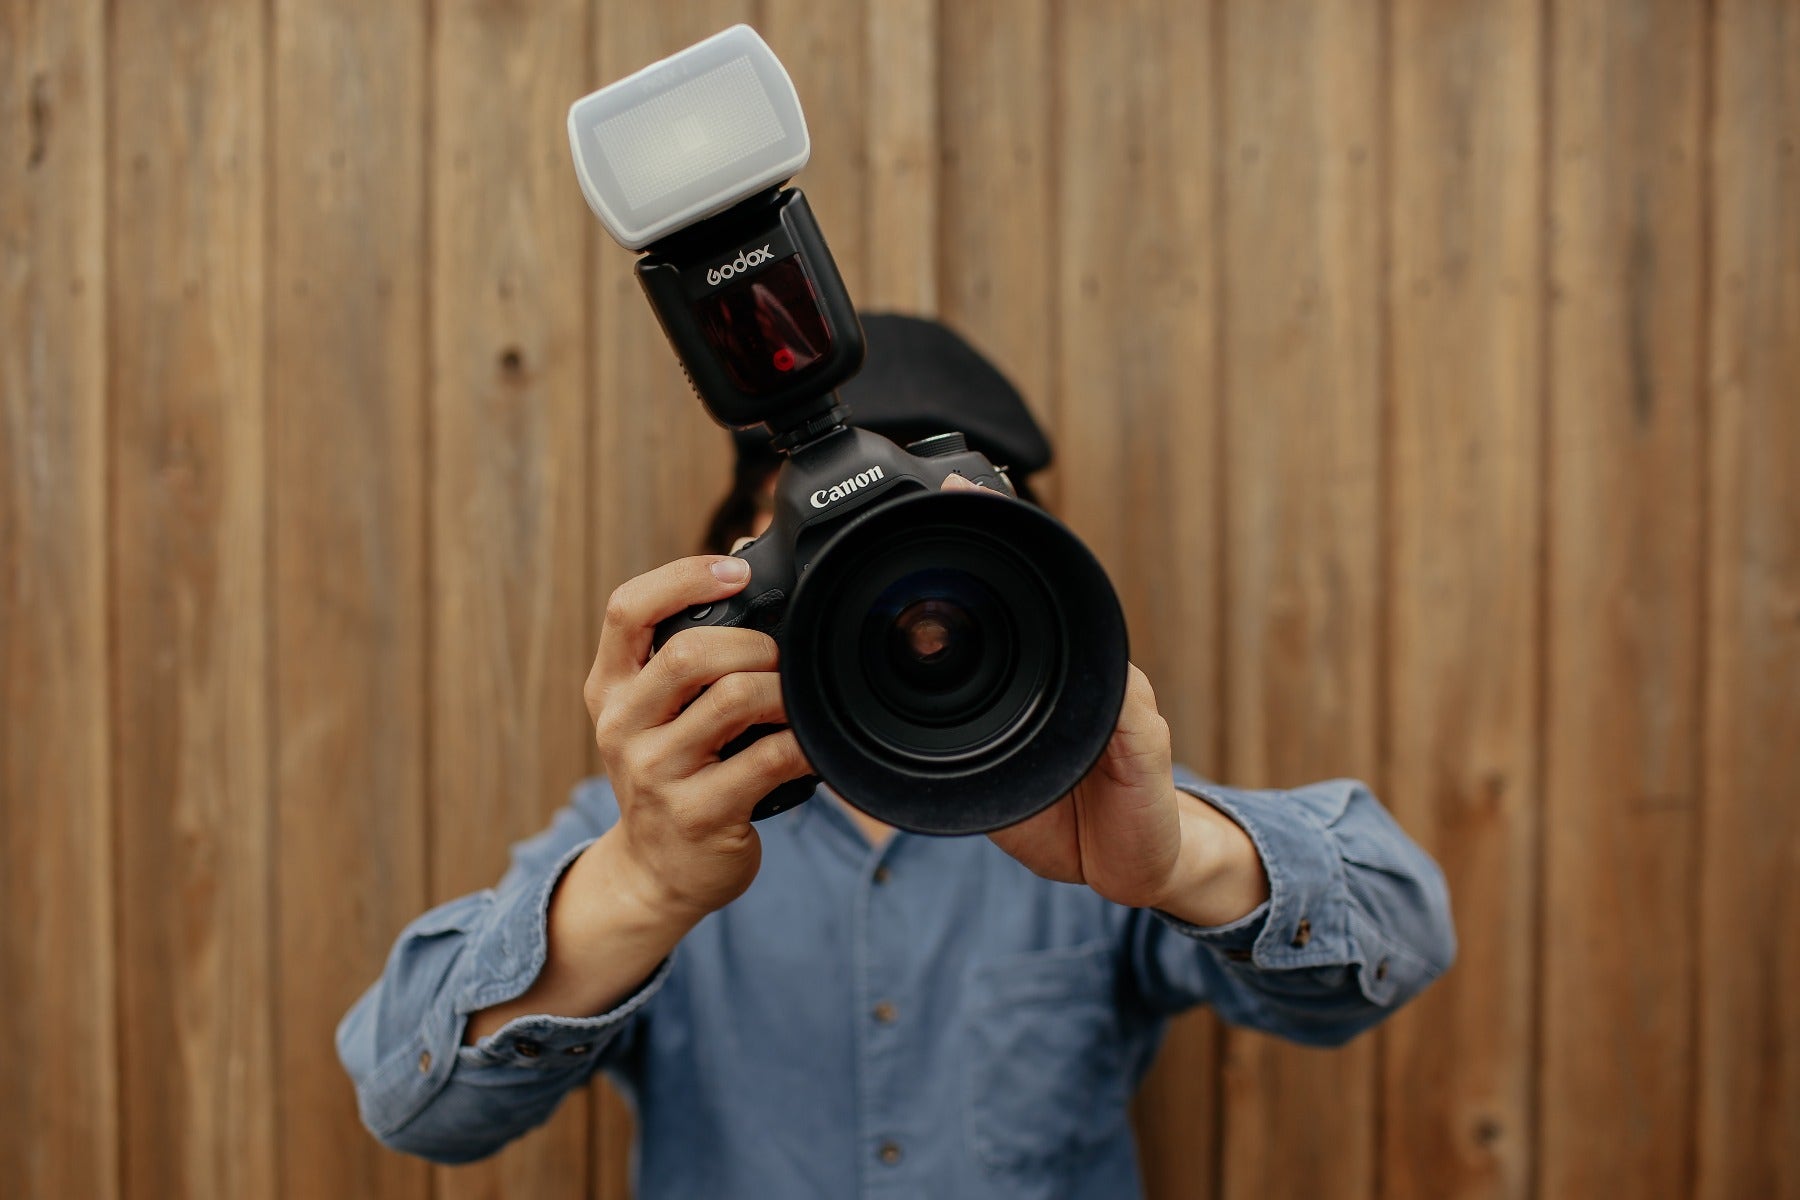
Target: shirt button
889	1153
884	1012
882	874
1302	933
527	1048
1381	969
580	1049
424	1062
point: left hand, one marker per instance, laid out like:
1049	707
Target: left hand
1127	832
1119	831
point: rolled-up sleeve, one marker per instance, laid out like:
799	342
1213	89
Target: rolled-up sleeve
418	1088
1357	921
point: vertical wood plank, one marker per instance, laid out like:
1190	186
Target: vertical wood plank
189	543
509	478
827	47
1464	291
60	1129
1622	767
1302	412
1137	416
998	186
348	478
652	438
903	152
1749	1118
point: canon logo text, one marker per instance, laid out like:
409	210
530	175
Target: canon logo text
838	491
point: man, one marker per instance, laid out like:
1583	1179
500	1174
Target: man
817	1005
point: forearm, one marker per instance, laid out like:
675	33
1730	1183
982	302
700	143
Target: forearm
1357	919
1218	877
605	936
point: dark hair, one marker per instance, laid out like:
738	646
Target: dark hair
735	517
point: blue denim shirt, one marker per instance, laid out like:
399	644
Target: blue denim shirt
927	1018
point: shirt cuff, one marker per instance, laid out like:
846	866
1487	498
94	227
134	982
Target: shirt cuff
546	1042
509	950
1234	940
1305	920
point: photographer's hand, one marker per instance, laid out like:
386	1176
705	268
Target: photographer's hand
1127	832
1130	834
684	845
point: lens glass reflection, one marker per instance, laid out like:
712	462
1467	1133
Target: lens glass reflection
935	644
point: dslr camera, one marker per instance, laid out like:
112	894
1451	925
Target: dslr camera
951	662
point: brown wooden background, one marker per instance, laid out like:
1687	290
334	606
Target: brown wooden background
1427	373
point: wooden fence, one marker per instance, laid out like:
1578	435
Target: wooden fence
1426	372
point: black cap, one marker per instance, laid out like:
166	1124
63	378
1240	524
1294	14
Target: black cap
918	379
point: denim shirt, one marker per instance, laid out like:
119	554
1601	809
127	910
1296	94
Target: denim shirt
926	1018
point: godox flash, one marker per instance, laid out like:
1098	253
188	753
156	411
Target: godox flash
685	159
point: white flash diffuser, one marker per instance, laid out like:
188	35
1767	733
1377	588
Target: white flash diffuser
687	137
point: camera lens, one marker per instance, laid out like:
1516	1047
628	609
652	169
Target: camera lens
953	663
926	643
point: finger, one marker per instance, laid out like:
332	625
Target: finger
727	708
687	663
640	602
958	483
755	771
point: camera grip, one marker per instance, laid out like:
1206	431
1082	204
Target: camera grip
786	795
763	612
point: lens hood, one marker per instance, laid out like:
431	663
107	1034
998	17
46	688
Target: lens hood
953	662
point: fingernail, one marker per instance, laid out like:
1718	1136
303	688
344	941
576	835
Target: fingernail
731	570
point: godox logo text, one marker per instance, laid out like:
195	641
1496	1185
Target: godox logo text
737	266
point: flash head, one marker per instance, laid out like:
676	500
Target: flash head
684	161
687	137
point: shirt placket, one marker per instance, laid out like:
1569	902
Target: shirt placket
885	1132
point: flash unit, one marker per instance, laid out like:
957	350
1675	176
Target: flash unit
685	160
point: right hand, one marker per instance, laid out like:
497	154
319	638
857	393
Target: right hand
684	841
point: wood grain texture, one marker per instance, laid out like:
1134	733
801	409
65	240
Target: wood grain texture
59	1113
1302	292
348	299
652	438
509	478
1464	434
189	537
904	167
1749	998
1427	375
1622	773
827	47
1136	424
997	188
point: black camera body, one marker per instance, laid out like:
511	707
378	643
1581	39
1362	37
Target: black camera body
823	488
